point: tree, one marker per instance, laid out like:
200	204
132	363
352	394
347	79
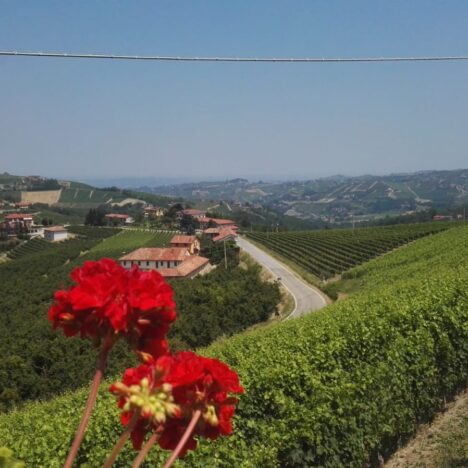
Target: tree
188	224
95	217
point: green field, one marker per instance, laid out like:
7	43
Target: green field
61	216
336	388
327	253
92	232
128	240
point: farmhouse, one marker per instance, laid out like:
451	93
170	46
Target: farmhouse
204	223
196	214
55	233
16	221
222	223
153	212
225	234
191	243
22	205
114	219
173	262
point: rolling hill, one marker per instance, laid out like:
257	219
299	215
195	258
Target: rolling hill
337	199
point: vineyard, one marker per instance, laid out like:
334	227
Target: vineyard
30	247
331	252
345	386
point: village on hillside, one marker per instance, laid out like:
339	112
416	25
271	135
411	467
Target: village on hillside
180	259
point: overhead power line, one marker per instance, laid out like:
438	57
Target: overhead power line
173	58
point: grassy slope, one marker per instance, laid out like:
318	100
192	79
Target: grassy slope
442	444
128	240
406	276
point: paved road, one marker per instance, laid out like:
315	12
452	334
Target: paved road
306	297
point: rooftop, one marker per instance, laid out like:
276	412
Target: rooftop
18	216
193	212
187	267
157	254
183	239
224	234
211	231
222	221
55	229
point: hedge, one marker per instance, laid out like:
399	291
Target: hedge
340	387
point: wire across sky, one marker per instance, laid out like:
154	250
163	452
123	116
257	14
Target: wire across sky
171	58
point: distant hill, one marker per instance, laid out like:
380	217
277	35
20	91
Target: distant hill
337	199
69	194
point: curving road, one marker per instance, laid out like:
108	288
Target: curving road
306	297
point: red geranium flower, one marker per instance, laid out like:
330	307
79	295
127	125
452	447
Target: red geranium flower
110	301
168	391
203	384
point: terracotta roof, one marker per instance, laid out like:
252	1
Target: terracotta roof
117	216
211	231
171	254
224	234
183	239
203	220
22	203
191	212
186	268
56	229
18	216
192	263
222	221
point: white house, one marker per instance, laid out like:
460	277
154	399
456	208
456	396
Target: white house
55	233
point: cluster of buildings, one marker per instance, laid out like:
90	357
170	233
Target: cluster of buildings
15	224
216	229
182	259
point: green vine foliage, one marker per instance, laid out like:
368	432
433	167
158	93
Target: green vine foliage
337	388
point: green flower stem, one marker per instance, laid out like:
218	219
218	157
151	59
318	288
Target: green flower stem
146	448
183	440
101	365
121	442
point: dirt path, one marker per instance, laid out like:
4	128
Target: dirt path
442	444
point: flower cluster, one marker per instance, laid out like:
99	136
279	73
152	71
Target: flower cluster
109	301
167	392
174	396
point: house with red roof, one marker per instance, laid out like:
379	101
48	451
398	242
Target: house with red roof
191	243
17	221
223	223
116	219
22	205
173	262
220	234
153	212
196	214
225	234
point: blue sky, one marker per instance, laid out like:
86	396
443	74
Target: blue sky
88	119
